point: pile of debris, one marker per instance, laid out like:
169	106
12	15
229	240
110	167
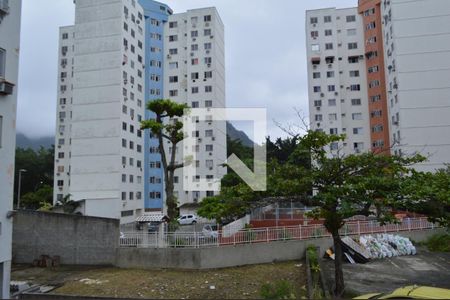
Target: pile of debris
46	261
387	245
374	246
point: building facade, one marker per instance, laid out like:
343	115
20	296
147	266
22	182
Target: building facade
405	48
417	66
102	145
156	15
10	15
337	77
194	74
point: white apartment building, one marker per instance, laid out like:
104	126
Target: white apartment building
417	51
99	144
337	84
194	73
10	15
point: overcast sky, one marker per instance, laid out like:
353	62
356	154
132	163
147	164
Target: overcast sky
265	56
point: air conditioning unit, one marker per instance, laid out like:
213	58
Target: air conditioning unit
322	94
213	138
318	108
125	99
336	93
330	66
211	37
4	7
6	88
207	51
314	67
192	54
138	22
199	140
168	56
206	24
209	65
210	153
210	168
194	39
57	174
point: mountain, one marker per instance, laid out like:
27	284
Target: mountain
235	134
22	141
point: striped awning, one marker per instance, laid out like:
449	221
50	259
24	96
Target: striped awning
152	218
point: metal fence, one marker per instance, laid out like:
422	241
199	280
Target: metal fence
264	235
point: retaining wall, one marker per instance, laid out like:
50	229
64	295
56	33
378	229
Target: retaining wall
78	240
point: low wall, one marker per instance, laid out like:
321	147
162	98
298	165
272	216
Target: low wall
231	256
78	240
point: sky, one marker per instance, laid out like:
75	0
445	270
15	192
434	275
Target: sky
264	48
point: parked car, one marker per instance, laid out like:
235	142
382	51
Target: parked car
411	292
187	219
153	227
210	231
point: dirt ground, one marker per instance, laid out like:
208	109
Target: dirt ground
232	283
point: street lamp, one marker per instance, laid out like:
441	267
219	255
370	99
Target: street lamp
18	190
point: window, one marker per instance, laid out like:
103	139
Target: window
173	24
173	93
370	25
358	130
357	116
62	101
208	103
351	32
208	89
355	87
354	73
334	146
353	59
124	178
317	89
194	76
376	113
331	88
377	128
195	104
173	51
328	46
208	74
194	90
315	47
352	46
375	98
173	38
124	126
330	74
332	117
318	118
313	20
194	33
327	19
316	75
333	131
318	103
194	47
126	213
373	69
124	143
372	40
173	79
194	61
207	32
356	102
374	83
125	26
331	102
60	154
378	144
208	46
60	182
207	18
209	147
328	32
314	34
209	133
370	11
351	18
173	65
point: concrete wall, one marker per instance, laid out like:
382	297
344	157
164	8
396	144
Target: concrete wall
230	256
78	240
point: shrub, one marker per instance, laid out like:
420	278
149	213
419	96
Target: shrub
439	242
279	290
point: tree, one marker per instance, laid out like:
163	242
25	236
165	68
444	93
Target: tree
430	195
166	126
67	205
35	200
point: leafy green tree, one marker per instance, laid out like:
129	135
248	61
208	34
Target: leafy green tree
40	167
167	126
67	205
430	195
35	200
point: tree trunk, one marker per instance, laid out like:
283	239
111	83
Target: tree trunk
171	201
338	273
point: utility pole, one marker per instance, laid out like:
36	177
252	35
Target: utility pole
19	186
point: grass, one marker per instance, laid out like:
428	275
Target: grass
232	283
439	242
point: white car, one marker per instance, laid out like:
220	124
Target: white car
187	219
210	231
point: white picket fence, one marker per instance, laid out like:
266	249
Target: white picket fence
259	235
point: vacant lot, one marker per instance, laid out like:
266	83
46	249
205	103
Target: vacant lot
233	283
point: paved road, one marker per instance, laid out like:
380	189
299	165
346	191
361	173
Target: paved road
385	275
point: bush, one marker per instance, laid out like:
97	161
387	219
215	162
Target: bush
280	290
439	242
